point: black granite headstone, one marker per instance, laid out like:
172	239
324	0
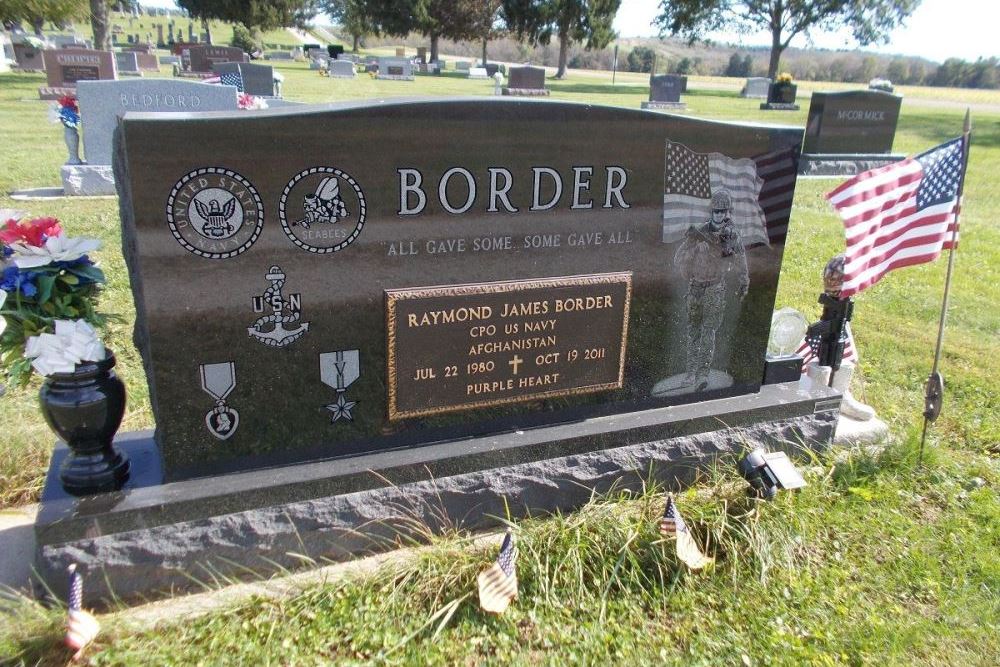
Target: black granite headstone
527	78
325	283
852	122
665	88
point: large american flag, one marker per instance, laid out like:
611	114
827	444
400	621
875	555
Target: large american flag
899	215
232	79
498	583
81	626
688	183
672	525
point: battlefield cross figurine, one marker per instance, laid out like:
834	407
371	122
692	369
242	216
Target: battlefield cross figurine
831	340
710	257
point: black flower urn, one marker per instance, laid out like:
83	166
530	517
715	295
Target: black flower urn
85	408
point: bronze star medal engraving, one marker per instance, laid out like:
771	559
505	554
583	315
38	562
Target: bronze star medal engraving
215	213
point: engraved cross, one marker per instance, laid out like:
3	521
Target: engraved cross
515	362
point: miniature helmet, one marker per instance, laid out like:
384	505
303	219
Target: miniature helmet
833	275
721	200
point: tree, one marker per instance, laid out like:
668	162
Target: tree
261	14
489	24
453	19
586	21
869	21
99	24
739	67
36	12
352	16
640	59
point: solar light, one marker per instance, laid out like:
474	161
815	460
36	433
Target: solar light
769	471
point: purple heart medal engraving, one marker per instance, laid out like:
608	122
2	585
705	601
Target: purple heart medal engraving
218	381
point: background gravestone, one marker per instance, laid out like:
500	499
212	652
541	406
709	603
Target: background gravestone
526	80
203	58
102	103
127	63
264	296
65	67
852	122
341	69
756	86
257	79
665	92
28	58
395	69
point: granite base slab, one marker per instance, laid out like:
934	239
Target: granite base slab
153	539
393	77
778	106
817	164
54	93
665	106
87	180
527	92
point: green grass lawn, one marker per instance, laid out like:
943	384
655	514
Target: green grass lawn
877	562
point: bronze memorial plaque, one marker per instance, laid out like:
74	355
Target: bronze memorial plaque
460	347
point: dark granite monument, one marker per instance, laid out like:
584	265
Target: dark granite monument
257	79
203	58
665	92
64	67
28	58
526	81
340	317
781	96
850	132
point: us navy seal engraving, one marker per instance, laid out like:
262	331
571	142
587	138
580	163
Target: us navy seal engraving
338	370
270	329
215	213
322	210
218	381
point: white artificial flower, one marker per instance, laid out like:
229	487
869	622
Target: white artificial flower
56	249
74	342
54	116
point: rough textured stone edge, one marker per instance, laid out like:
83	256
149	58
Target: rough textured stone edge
815	164
153	563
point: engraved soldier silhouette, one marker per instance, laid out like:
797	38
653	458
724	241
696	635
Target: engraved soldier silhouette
711	255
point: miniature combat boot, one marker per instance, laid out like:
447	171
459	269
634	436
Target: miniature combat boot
849	407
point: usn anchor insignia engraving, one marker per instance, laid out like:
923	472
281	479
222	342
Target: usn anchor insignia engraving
270	329
338	370
218	381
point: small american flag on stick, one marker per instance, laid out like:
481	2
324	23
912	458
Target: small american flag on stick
81	626
899	215
498	583
672	525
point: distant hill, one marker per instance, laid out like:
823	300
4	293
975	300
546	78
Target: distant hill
674	55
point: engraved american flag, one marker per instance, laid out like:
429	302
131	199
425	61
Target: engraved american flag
689	180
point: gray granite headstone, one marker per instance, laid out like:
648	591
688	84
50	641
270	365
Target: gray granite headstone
395	69
341	69
258	79
103	102
756	86
462	65
127	62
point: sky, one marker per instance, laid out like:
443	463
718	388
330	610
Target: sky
937	30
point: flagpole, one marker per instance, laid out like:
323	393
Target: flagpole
935	383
